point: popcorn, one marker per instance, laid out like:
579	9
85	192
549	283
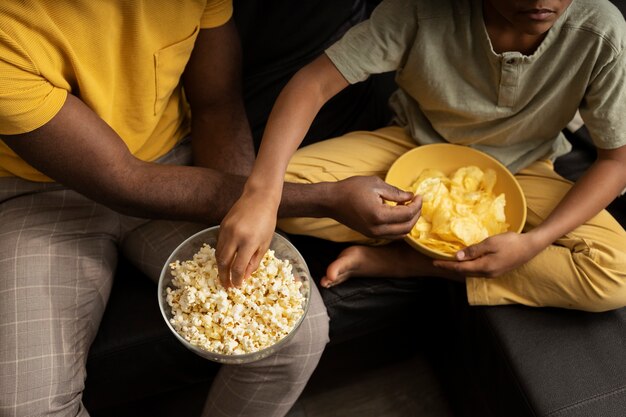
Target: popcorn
233	321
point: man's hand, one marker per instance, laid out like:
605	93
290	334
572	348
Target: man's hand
493	256
361	203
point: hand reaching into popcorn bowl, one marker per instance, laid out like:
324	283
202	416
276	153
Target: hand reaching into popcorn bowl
235	324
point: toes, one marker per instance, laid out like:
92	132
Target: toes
337	272
348	264
327	282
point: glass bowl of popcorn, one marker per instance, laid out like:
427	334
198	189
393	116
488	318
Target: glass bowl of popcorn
235	325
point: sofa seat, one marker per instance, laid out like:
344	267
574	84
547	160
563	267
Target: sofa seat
548	362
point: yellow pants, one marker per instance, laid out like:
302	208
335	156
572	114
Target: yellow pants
586	269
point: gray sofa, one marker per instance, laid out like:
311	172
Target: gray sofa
494	361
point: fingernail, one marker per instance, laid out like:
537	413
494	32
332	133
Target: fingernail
460	255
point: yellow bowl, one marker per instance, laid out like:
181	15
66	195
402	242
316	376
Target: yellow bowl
447	158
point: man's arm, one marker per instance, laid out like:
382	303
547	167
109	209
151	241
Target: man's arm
221	137
78	149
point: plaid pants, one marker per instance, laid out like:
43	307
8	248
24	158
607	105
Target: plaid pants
58	255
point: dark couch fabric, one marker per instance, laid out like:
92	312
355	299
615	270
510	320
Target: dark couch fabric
557	363
279	38
496	361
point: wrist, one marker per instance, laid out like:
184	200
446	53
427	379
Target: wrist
539	239
325	199
265	189
308	200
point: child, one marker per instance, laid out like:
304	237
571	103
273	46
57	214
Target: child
504	77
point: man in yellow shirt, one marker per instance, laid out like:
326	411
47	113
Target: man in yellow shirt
95	132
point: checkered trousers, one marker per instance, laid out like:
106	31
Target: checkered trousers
58	255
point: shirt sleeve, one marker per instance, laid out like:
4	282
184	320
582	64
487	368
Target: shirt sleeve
378	44
216	13
27	100
604	105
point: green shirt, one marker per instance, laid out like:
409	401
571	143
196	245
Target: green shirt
454	88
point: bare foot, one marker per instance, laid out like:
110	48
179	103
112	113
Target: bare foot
395	260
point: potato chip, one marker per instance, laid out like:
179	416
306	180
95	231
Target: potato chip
459	210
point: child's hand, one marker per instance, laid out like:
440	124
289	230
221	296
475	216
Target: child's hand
361	205
245	235
493	256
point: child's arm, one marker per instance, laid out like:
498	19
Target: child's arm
247	229
602	182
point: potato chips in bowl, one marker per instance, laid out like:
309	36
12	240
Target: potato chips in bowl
467	196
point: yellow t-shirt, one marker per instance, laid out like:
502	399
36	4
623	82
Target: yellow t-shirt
123	59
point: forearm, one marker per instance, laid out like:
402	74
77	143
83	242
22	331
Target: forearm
291	117
77	149
172	192
602	182
308	200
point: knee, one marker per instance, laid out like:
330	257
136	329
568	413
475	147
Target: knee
42	378
603	291
40	400
299	357
611	297
603	279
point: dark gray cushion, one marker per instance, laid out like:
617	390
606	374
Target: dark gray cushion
564	363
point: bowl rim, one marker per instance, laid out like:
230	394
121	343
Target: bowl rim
408	154
239	358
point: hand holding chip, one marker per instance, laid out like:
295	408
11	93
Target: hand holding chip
361	204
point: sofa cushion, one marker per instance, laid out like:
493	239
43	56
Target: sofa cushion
564	363
278	38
